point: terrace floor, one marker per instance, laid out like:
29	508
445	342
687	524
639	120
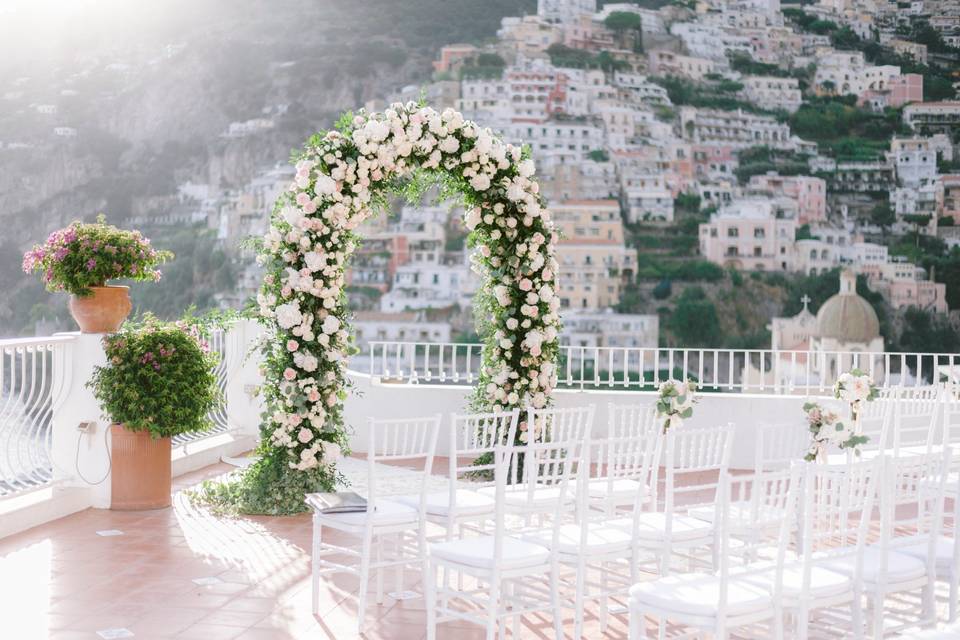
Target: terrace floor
186	573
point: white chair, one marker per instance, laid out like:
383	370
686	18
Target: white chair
910	514
617	460
946	549
412	441
836	513
733	597
594	545
917	421
473	439
778	446
695	461
544	425
504	562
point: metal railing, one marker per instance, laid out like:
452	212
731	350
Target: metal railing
34	380
230	346
630	368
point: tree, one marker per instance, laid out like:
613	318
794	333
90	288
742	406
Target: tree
663	289
883	216
926	332
624	22
694	321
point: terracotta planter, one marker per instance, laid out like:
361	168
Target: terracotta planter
140	477
103	311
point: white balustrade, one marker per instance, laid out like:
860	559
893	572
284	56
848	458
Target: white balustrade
30	393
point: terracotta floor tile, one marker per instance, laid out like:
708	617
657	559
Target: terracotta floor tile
204	631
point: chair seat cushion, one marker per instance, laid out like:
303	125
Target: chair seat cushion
653	526
518	495
478	552
612	488
740	513
601	538
387	512
823	583
900	567
917	547
699	594
466	502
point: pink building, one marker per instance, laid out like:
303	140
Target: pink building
452	55
749	234
904	284
809	192
712	159
899	90
950	206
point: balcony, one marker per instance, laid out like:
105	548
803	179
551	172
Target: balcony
186	572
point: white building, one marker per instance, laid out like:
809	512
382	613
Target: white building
377	326
653	203
565	11
772	92
915	160
609	329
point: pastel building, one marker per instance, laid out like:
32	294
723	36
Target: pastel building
809	192
749	234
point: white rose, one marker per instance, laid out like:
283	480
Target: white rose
314	261
331	325
288	315
325	185
331	452
473	218
526	168
480	182
305	435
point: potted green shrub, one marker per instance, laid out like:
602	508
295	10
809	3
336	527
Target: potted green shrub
158	382
82	258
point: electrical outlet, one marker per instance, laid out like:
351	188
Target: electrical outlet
88	428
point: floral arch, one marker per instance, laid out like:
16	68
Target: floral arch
342	175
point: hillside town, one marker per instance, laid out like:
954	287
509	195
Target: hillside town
730	137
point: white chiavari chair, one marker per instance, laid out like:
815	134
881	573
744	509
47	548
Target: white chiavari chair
910	512
917	422
616	464
738	595
470	468
542	425
836	512
504	562
604	556
411	441
695	461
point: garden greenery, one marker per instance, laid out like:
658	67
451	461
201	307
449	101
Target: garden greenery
159	377
86	255
342	177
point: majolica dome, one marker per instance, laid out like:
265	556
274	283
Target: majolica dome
846	317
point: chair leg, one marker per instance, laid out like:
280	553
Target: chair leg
856	616
493	607
929	603
365	552
877	612
378	554
637	623
778	623
430	596
604	600
954	584
398	577
578	598
802	625
555	601
315	567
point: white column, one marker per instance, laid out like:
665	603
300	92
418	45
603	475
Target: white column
243	377
81	459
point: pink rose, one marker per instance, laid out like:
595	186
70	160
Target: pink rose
289	374
292	345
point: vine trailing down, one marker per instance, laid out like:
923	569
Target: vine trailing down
342	177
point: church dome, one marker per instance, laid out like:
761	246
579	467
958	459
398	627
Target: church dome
847	317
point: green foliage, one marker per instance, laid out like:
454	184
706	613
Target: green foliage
599	155
663	289
763	159
803	233
622	21
688	202
748	66
158	377
846	130
686	92
883	215
82	256
945	267
484	65
694	321
564	56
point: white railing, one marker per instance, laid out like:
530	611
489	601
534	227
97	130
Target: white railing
30	393
717	370
230	347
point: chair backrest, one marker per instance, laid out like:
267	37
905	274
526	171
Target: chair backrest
838	505
628	450
911	499
473	438
407	440
917	419
557	466
772	498
549	425
780	445
876	419
695	461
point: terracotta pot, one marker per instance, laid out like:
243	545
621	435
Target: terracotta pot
103	311
140	477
